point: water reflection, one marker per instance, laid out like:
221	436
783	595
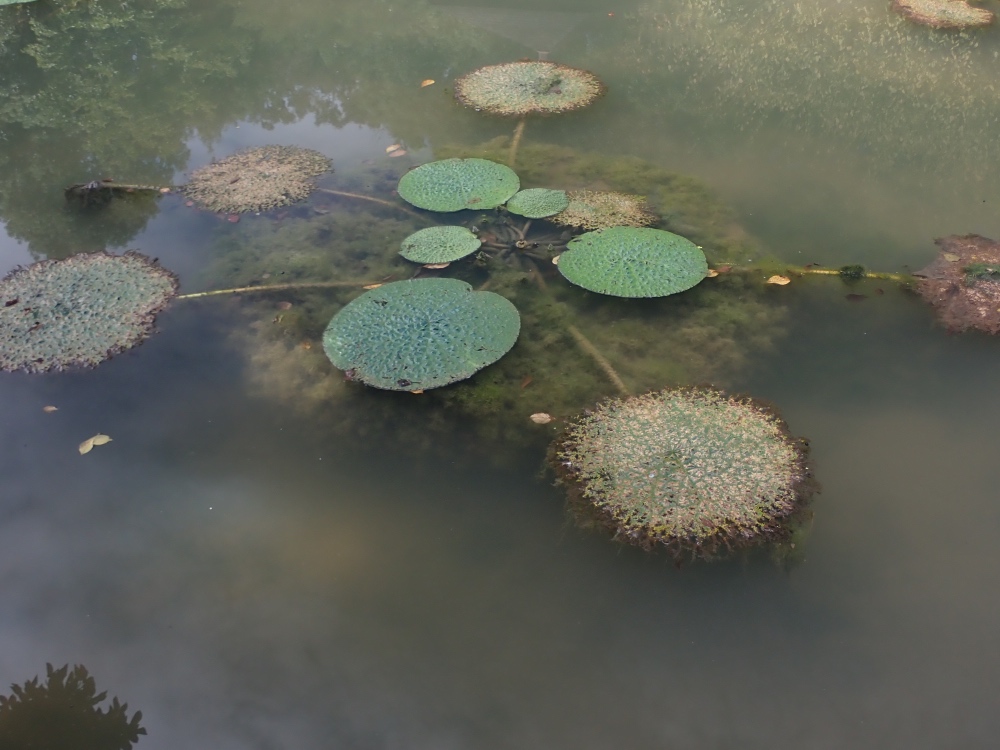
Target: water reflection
65	712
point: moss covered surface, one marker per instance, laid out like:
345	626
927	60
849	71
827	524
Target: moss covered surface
709	333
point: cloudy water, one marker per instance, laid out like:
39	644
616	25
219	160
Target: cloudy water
268	556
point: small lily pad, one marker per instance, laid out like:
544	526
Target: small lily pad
439	245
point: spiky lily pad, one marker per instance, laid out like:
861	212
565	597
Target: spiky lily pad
456	184
943	14
439	245
420	334
633	262
527	86
538	203
79	311
692	469
256	179
600	209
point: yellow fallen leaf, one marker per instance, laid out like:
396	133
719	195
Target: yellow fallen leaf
371	286
428	82
393	147
417	393
397	152
88	445
541	418
712	273
49	409
436	265
555	260
164	190
779	280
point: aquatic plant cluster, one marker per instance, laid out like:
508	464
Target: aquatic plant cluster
79	311
601	209
527	87
943	14
256	179
692	469
962	283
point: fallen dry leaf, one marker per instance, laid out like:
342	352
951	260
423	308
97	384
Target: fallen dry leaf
417	393
541	418
164	190
393	147
307	345
951	257
436	265
712	273
371	286
233	218
427	82
87	445
397	152
49	409
555	260
779	280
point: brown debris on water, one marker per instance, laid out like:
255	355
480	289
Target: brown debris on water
600	209
960	296
944	14
527	87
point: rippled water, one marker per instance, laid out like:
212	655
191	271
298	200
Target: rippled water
266	558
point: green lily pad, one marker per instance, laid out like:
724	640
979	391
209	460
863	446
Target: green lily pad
456	184
420	334
439	245
537	203
633	262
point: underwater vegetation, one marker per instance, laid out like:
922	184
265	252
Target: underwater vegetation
962	283
690	469
64	713
79	311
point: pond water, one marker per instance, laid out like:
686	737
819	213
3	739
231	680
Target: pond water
268	557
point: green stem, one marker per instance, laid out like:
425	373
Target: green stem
278	287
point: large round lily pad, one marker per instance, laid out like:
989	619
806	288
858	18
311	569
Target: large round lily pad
419	334
633	262
456	184
439	245
537	203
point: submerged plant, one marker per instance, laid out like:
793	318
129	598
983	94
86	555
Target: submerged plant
690	469
633	262
963	283
943	14
420	334
527	87
256	179
79	311
455	184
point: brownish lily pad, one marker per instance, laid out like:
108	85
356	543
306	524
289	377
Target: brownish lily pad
965	293
944	14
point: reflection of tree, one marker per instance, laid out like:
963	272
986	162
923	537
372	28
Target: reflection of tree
108	89
64	713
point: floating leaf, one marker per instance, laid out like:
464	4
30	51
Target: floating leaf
442	244
371	286
88	445
427	82
456	184
393	147
49	409
712	273
779	280
633	262
398	152
436	266
541	418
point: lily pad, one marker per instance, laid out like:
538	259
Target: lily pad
439	245
537	203
420	334
456	184
633	262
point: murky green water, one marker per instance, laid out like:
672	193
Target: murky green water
268	557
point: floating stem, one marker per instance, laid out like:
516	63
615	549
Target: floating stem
277	287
